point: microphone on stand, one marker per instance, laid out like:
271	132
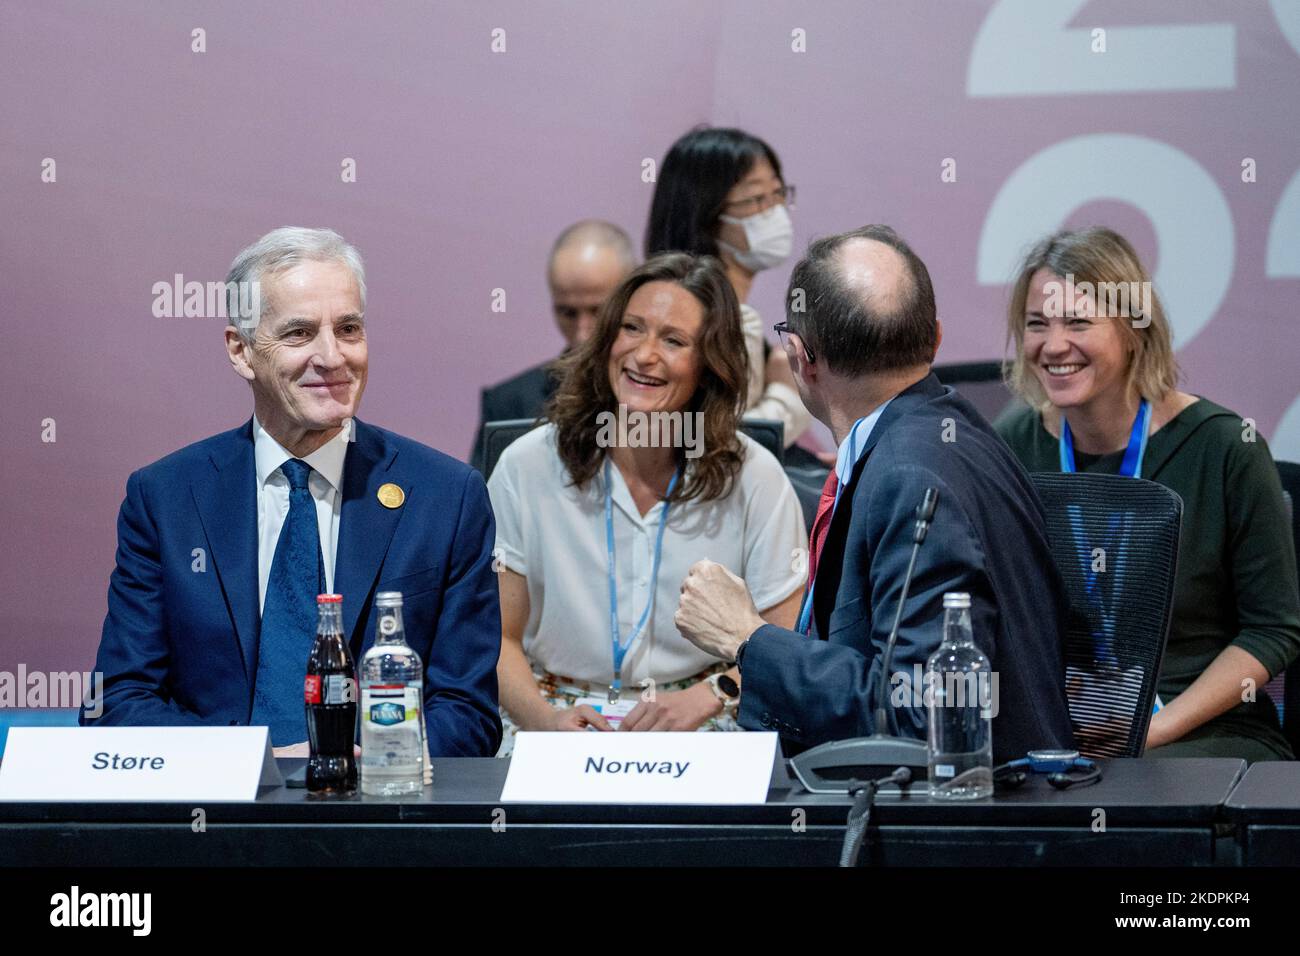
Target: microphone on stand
839	765
924	515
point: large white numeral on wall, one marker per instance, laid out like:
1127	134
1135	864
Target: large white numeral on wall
1284	234
1287	14
1283	262
1027	48
1285	443
1192	223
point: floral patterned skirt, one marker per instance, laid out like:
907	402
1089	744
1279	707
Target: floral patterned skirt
566	692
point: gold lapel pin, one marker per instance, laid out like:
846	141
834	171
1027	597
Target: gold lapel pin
390	495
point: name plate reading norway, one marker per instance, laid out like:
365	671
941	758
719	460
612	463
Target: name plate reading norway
617	767
136	764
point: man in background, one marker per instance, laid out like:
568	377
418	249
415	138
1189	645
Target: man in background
589	259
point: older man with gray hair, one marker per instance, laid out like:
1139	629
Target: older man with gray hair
223	545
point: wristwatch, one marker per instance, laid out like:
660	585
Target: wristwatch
726	690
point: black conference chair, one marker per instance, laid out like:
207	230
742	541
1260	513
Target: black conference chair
980	383
1115	541
497	437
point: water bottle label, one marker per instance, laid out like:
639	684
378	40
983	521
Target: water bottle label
391	729
387	705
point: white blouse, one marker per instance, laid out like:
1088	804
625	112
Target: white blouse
554	535
775	400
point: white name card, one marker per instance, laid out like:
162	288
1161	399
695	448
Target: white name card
615	767
136	764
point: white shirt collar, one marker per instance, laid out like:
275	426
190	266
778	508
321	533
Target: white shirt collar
327	460
855	443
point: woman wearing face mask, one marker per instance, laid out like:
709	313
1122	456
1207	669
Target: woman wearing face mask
720	193
1100	377
597	525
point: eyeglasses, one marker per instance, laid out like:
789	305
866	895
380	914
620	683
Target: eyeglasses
782	329
756	204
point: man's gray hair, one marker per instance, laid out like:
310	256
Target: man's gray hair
276	251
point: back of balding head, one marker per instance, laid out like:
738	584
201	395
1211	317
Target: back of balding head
863	300
877	272
588	239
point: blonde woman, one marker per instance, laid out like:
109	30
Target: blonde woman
1093	358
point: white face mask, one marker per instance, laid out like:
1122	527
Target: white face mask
770	235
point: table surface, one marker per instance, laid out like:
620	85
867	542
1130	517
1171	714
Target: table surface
1141	792
1269	793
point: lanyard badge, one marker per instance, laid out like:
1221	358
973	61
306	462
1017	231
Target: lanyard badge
619	648
1131	466
1116	531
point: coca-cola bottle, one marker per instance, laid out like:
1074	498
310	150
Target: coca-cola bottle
330	694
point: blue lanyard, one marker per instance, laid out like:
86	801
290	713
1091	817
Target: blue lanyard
621	649
1116	530
1131	466
805	609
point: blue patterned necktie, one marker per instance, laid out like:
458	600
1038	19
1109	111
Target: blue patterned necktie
289	615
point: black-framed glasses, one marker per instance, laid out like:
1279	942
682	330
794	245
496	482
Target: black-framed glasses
752	205
782	329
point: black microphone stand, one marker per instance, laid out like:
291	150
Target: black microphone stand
881	752
872	756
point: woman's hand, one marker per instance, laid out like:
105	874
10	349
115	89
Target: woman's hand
674	710
576	718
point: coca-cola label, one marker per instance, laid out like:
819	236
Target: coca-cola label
339	689
329	689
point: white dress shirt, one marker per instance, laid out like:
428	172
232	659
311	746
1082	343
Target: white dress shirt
855	441
554	535
325	484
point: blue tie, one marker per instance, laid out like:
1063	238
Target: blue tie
289	615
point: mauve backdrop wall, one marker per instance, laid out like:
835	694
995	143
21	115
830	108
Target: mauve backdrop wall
469	161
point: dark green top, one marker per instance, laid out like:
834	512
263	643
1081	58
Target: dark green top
1236	581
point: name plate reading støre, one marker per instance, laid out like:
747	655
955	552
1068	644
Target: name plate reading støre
136	764
656	768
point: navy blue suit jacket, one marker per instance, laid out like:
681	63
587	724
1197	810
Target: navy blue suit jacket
180	640
988	538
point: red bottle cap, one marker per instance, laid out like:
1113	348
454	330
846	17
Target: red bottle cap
329	599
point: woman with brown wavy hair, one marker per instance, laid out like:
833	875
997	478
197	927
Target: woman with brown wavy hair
639	473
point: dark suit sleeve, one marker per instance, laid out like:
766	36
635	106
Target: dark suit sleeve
461	709
134	652
813	691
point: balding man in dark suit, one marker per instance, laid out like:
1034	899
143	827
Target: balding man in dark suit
861	333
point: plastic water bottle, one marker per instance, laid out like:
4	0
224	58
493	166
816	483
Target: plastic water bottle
958	682
392	707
